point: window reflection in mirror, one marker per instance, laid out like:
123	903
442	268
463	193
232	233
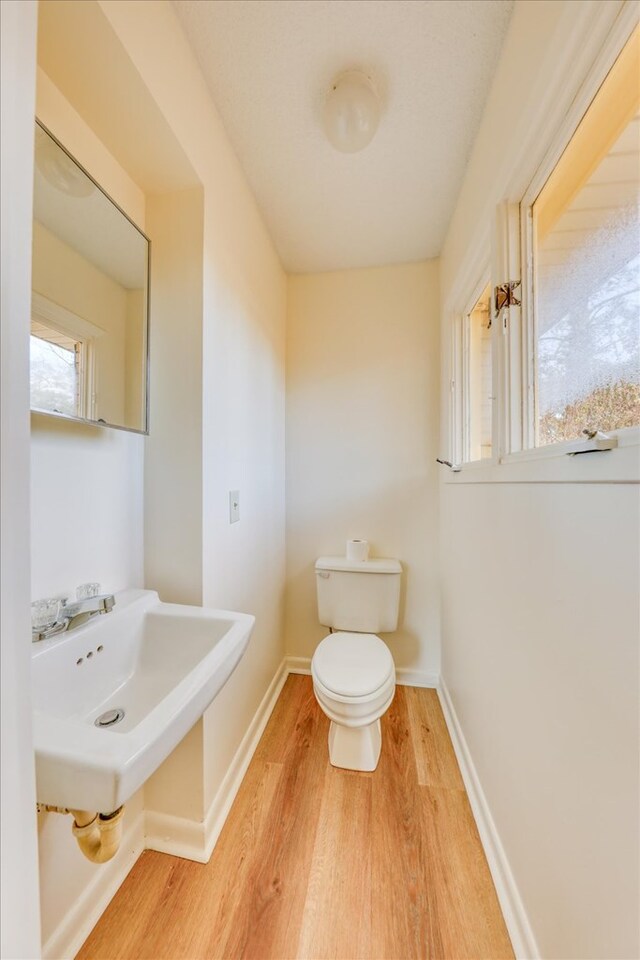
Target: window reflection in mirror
89	300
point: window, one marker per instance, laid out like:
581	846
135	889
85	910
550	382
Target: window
58	364
585	270
477	379
560	358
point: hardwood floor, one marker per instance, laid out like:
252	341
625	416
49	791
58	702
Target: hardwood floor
315	862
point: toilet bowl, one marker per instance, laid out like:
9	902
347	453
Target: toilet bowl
354	678
354	682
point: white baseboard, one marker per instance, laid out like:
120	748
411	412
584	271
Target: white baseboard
177	836
298	665
515	916
195	840
76	925
226	794
404	675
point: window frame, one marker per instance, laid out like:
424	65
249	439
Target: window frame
464	373
46	333
83	333
526	239
515	456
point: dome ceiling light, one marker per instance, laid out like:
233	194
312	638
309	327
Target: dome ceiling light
58	169
351	112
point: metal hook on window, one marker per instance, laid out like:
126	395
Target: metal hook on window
595	441
447	463
504	296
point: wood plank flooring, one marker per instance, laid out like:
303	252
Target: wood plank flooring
316	863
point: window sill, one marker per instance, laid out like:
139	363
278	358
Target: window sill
553	465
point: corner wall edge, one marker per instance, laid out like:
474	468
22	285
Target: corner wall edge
511	903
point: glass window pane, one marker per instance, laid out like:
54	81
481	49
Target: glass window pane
587	276
54	377
479	379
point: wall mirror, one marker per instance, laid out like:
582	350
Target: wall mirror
90	298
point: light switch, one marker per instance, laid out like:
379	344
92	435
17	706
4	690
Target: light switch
234	506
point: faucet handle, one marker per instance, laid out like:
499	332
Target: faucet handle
44	613
86	590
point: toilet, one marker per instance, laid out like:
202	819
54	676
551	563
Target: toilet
353	673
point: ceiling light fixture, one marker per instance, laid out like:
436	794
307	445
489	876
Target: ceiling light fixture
59	169
351	112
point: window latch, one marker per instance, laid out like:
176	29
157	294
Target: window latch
594	442
504	296
447	463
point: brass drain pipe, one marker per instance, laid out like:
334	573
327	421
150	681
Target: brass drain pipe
97	834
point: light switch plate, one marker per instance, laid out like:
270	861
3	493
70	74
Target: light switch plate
234	506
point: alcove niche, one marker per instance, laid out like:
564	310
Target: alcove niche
136	502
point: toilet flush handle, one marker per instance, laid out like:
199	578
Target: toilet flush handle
324	574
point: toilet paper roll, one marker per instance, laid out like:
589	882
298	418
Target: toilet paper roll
357	549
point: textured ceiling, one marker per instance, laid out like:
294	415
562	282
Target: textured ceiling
269	64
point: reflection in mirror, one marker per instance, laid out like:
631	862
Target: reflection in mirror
89	306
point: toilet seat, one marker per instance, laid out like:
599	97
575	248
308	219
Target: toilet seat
329	694
352	667
355	711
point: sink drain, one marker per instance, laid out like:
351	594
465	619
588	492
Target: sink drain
110	717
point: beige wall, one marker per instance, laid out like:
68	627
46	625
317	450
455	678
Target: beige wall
542	676
236	424
59	115
362	423
86	513
243	353
540	585
173	450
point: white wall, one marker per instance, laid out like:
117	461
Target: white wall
244	449
19	919
135	353
86	507
244	313
540	582
362	428
540	655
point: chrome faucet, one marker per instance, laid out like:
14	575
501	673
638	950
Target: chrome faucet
74	614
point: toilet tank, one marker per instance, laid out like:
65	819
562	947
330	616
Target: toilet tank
362	596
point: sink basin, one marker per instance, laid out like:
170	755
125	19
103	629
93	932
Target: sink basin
150	670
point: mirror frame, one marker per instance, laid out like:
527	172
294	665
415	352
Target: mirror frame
147	365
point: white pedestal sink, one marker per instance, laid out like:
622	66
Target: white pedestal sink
160	663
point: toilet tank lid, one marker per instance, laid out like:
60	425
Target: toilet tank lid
378	565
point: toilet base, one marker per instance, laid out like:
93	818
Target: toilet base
355	748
